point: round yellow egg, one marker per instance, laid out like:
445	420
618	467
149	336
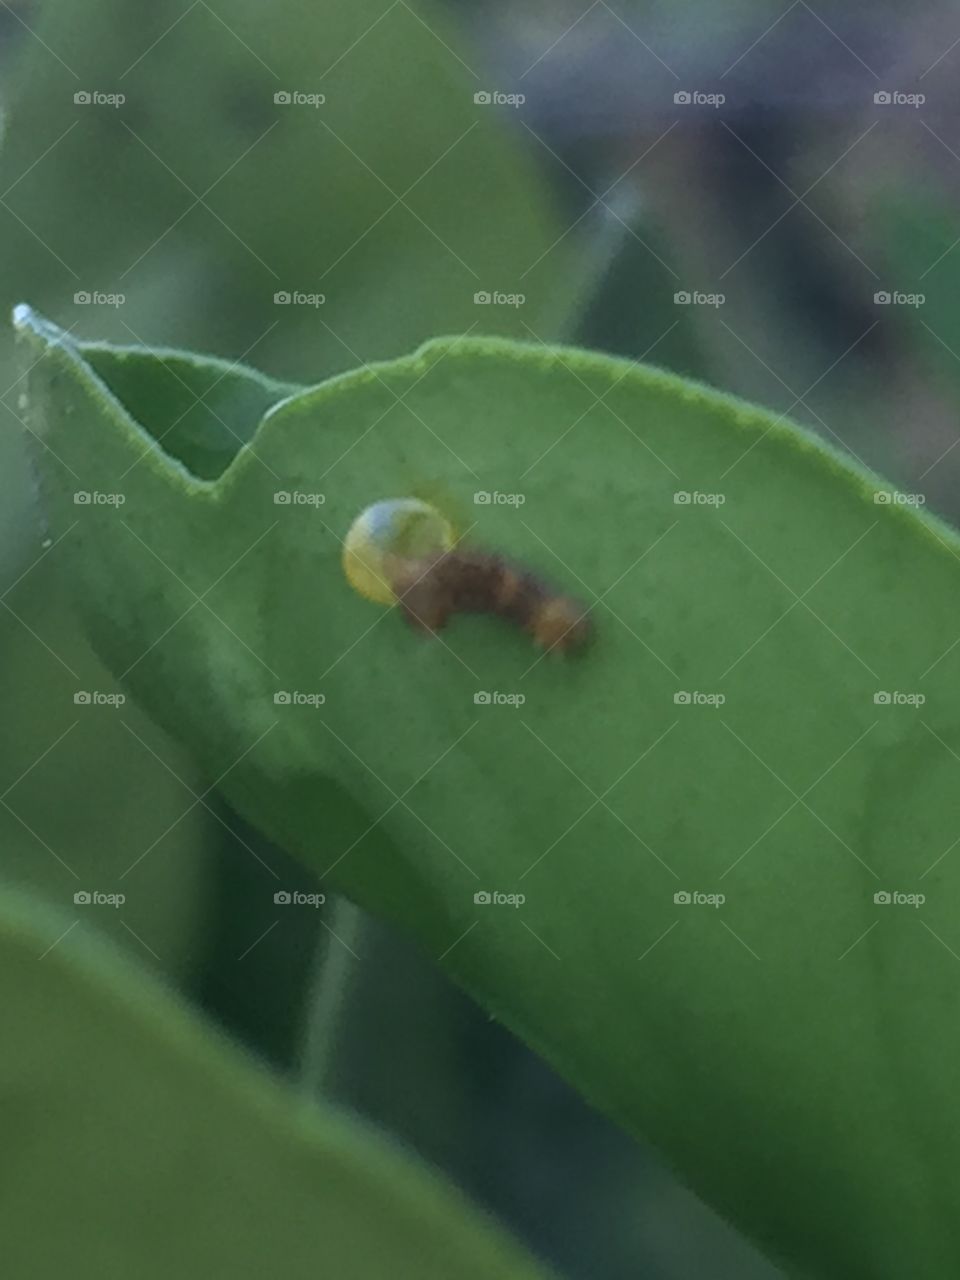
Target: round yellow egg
405	527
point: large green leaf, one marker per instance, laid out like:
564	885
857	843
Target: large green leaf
786	1049
136	1143
293	198
99	199
396	199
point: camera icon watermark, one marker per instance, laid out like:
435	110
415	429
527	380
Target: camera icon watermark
683	898
298	298
694	698
896	98
297	98
493	97
297	498
95	898
487	898
94	698
294	698
94	498
486	498
696	98
896	298
696	498
493	698
294	898
893	498
84	298
894	898
894	698
497	298
697	298
94	98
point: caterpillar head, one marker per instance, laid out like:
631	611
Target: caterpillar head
561	625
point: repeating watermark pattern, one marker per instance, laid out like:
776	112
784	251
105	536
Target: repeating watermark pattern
495	98
683	898
96	98
697	98
486	498
888	898
895	698
694	498
298	98
493	898
694	698
896	98
894	298
94	298
297	498
294	698
296	298
492	698
893	498
695	298
95	898
94	498
494	298
93	698
294	898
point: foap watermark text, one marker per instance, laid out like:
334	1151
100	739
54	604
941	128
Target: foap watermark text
484	498
493	898
297	98
493	698
296	498
294	698
495	98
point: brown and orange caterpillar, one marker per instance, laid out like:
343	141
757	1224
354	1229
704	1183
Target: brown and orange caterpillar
431	588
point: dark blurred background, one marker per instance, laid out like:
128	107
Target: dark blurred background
759	196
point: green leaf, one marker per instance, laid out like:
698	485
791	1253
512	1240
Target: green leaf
143	1145
786	1048
201	412
396	199
228	198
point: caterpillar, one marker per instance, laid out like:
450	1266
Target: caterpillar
429	589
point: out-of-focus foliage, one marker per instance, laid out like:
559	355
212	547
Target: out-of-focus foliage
143	1146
